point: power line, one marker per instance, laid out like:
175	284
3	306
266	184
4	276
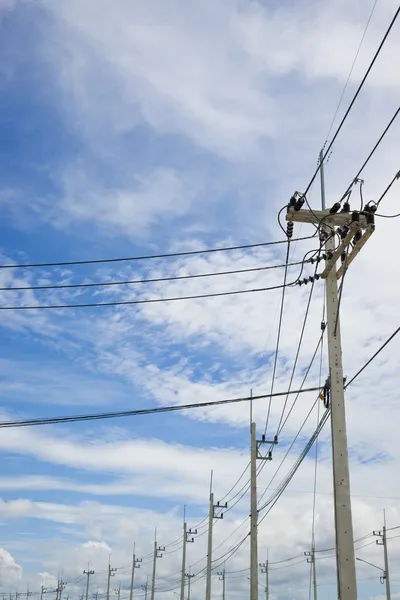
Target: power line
354	99
298	346
147	301
390	338
149	256
351	70
138	412
151	280
278	335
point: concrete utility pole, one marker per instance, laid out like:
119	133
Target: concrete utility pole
189	577
264	569
118	591
135	565
221	576
383	542
88	573
111	573
28	593
354	229
255	454
211	517
158	550
43	590
186	540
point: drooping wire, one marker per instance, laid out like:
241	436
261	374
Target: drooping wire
286	454
140	281
314	502
146	257
278	333
298	346
131	413
145	301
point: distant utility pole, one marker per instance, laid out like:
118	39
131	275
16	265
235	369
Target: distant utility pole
43	590
311	560
59	590
265	569
383	542
88	573
158	550
118	591
145	588
255	454
28	593
111	573
189	578
135	565
221	576
212	515
354	229
186	540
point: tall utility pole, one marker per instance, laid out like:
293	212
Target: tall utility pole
212	515
255	454
111	573
264	569
221	576
186	540
354	229
158	550
383	542
189	578
88	573
135	565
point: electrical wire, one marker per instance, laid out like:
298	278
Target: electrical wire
139	281
278	334
390	338
147	257
388	126
281	488
351	71
354	99
298	346
138	412
146	301
314	503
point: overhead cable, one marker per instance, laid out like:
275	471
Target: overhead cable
147	257
138	412
354	99
390	338
63	286
146	301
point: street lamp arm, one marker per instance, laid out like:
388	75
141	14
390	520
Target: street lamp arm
368	563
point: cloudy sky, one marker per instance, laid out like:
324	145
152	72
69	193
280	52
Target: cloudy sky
134	128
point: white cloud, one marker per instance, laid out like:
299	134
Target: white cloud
10	571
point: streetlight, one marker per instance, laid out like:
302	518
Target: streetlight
383	577
260	584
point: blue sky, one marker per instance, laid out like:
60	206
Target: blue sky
132	128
